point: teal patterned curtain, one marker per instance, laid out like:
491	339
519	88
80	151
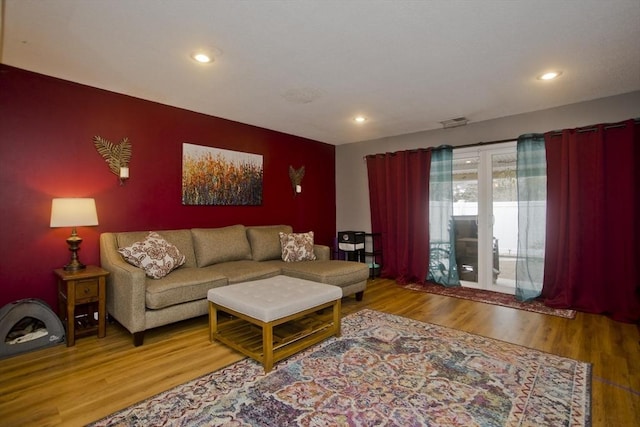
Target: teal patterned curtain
532	215
442	251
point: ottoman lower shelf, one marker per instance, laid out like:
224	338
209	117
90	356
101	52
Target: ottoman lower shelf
270	342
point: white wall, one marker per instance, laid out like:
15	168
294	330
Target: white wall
352	192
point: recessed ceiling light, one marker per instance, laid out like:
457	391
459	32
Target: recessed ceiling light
202	57
360	119
550	75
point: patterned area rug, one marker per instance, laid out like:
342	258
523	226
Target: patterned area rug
385	370
489	297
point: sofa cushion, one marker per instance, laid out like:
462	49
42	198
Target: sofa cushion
333	272
183	285
180	238
297	246
215	245
265	241
243	271
156	256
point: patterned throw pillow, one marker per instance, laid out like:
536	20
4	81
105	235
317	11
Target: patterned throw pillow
154	255
297	246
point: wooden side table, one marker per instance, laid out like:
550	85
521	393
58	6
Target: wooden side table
79	291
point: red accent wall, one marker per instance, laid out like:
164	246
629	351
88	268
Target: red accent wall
47	127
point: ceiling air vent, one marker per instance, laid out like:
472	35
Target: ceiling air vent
452	123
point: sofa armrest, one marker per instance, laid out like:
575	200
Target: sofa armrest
322	252
126	288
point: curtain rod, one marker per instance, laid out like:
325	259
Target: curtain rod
477	144
555	132
594	128
500	141
441	147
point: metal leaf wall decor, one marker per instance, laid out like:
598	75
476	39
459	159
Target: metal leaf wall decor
296	177
116	155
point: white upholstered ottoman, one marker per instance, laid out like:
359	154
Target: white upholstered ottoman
259	307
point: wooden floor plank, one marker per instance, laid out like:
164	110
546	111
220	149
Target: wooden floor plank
72	386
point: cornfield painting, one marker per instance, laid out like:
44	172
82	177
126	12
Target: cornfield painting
212	176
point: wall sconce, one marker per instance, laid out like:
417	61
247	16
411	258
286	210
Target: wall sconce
73	213
124	174
296	179
117	156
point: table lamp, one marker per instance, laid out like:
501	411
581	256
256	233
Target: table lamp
73	213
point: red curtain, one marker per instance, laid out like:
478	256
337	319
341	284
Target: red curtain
592	255
399	199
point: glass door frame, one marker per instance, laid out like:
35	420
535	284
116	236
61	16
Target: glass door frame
485	216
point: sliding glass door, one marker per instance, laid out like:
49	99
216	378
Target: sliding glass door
485	216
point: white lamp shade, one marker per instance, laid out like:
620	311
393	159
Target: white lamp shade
73	212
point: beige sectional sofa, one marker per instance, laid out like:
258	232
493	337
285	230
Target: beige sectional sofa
213	257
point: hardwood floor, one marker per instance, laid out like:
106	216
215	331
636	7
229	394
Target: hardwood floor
76	385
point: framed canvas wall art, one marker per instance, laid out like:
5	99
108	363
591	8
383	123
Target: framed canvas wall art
213	176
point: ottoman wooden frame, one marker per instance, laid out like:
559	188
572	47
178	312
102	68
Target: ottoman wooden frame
272	329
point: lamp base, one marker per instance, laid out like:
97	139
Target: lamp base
74	265
74	246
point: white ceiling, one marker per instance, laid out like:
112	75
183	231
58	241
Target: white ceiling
308	67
